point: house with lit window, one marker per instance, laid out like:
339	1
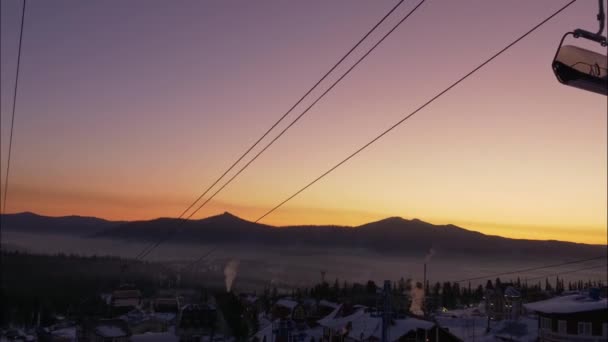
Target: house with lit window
574	317
126	298
503	302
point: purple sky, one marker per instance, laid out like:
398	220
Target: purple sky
129	109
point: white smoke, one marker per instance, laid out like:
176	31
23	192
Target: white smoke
230	272
429	255
417	295
277	273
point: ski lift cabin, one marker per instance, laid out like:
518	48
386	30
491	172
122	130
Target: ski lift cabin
582	68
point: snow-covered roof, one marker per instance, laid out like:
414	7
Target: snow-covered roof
403	326
568	304
250	298
265	332
470	327
512	292
333	321
330	316
364	325
263	320
110	331
155	337
316	333
164	316
287	303
368	326
304	334
196	307
328	304
69	332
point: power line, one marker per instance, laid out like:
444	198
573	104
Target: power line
569	271
149	250
10	141
307	109
191	265
420	108
490	276
417	110
292	107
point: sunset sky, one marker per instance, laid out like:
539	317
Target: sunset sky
130	109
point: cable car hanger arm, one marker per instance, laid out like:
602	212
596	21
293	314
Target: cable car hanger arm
601	17
596	37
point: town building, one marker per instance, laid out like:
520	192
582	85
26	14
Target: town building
196	321
166	303
573	317
283	308
503	302
361	325
126	298
142	322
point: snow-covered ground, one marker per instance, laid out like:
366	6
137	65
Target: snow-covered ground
168	336
469	326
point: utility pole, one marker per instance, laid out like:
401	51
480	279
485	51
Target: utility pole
123	271
386	314
424	287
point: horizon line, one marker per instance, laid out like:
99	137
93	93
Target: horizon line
307	225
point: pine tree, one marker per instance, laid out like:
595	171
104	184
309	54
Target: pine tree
371	286
401	285
479	293
548	287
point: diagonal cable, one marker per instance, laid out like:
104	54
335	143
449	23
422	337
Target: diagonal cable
10	141
147	251
417	110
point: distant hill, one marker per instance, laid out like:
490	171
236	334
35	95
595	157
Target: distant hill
393	235
67	225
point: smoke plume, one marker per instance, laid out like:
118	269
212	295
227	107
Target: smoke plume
429	255
230	272
417	294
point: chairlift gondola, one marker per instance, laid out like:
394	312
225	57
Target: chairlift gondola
582	68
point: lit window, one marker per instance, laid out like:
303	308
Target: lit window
584	328
562	327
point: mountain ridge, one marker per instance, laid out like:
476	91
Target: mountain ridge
390	235
72	224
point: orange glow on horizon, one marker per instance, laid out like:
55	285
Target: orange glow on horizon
120	209
111	126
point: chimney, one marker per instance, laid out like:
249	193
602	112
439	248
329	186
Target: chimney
424	278
424	287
